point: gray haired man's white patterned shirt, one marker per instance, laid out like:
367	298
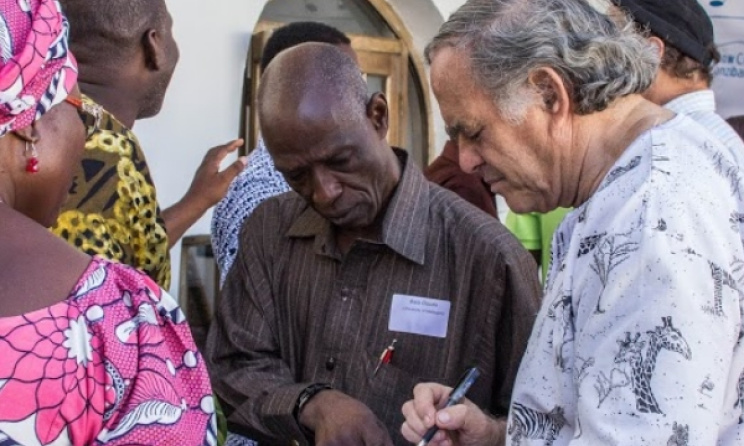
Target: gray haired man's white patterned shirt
639	339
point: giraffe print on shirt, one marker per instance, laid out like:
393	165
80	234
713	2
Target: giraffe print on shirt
665	337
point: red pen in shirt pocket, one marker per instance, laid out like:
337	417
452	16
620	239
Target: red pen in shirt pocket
387	356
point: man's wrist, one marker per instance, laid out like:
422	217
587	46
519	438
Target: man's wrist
304	398
497	430
195	200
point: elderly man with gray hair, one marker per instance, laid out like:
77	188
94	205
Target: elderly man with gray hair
639	340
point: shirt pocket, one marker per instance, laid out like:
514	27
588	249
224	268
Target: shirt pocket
415	359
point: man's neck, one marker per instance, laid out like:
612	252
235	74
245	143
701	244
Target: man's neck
605	140
114	99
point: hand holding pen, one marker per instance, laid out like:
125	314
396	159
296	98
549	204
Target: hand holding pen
462	424
461	388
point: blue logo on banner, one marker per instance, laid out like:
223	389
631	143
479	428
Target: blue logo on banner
732	60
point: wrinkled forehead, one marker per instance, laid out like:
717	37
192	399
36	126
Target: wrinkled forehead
451	71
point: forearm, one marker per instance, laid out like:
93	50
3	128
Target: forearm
181	216
258	406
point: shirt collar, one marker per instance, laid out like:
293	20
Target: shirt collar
404	228
697	101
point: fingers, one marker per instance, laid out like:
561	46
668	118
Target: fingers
420	412
426	398
235	168
414	436
453	418
215	155
414	427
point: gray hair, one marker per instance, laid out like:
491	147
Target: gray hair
599	57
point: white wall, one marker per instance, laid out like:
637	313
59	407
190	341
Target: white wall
203	103
202	107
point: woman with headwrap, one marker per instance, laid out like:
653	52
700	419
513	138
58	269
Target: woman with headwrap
91	352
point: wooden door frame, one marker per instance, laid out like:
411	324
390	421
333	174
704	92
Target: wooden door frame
388	14
421	78
373	52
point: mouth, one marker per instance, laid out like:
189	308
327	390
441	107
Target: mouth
334	215
493	183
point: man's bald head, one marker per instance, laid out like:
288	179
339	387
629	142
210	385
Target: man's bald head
326	137
312	78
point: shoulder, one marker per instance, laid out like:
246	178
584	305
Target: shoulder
106	282
676	178
466	224
139	334
275	215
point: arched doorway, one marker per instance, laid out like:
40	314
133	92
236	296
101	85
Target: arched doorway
386	56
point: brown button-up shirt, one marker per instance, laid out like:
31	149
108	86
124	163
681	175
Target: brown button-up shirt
295	311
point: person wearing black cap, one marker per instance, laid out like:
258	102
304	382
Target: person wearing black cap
683	34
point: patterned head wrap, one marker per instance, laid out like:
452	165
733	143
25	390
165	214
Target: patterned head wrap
37	70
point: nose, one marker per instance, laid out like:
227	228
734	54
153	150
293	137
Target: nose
326	189
469	159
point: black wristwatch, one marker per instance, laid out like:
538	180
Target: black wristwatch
305	396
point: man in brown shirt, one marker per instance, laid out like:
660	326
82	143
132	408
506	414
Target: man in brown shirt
363	252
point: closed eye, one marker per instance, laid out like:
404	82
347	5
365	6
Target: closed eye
473	136
338	162
294	175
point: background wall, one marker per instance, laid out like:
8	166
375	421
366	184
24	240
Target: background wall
202	107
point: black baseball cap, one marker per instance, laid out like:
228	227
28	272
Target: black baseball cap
683	24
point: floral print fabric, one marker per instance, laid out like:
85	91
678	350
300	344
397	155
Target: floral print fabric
639	340
113	364
37	70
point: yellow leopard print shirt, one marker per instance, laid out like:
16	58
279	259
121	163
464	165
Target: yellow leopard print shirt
112	210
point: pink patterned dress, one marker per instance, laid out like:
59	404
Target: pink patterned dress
113	364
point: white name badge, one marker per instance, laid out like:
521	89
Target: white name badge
419	315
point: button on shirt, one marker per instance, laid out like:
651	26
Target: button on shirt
257	182
295	311
639	340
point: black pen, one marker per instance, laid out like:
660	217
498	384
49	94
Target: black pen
462	387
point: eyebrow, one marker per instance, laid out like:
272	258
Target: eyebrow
453	131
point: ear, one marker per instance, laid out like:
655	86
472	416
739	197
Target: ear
377	113
153	50
552	90
28	134
658	45
18	140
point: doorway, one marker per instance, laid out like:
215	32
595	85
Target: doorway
385	59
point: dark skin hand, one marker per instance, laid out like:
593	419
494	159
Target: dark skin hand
338	420
207	189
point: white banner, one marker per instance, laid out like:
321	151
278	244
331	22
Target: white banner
728	81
